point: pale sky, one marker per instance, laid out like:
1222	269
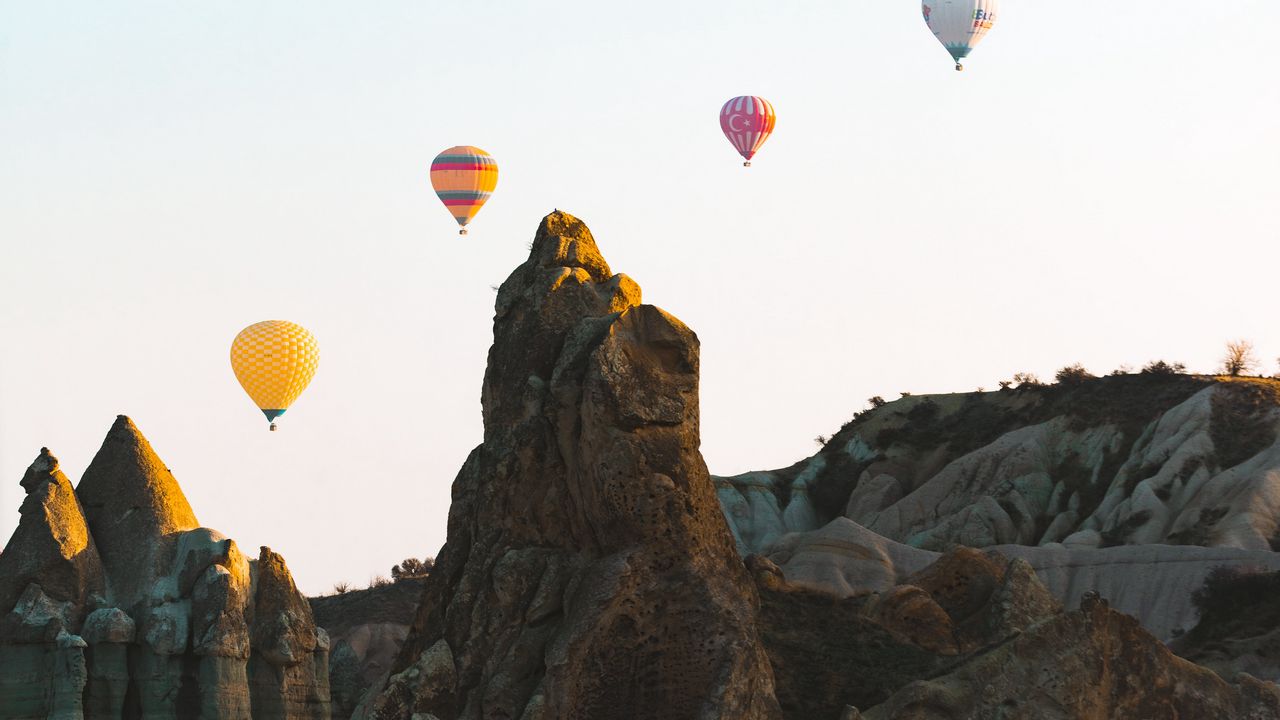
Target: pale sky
1099	186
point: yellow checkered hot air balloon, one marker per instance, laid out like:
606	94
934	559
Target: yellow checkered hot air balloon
274	361
464	177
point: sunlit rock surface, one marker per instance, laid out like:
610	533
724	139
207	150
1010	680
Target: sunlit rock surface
117	604
588	572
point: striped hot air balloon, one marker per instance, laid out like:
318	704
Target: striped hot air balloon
960	24
274	362
747	121
464	177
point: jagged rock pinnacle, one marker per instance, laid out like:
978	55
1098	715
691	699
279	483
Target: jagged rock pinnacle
132	503
588	572
51	550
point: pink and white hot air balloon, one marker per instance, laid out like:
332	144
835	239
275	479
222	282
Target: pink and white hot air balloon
747	121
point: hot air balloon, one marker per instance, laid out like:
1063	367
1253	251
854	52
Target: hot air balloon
747	121
960	24
274	361
464	177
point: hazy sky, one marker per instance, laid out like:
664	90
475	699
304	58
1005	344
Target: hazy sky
1098	186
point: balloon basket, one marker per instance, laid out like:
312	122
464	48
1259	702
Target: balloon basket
273	427
746	164
463	231
959	67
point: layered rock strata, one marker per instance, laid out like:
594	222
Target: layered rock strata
587	572
117	604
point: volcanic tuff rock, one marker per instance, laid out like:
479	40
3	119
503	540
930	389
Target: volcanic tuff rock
588	572
1154	583
1146	461
1239	629
974	635
366	630
1138	459
1089	664
118	604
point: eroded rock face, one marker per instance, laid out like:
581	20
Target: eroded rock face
51	562
1089	664
1154	583
587	572
366	631
129	608
1126	460
828	652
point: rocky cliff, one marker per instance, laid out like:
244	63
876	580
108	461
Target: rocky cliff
1132	459
366	631
588	572
1186	467
118	604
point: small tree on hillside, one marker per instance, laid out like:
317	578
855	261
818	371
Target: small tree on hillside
1160	367
412	568
1072	375
1026	379
1239	358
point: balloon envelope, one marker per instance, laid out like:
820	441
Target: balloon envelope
960	24
747	121
463	178
274	361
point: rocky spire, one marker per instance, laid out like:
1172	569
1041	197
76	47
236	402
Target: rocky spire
134	506
51	559
588	572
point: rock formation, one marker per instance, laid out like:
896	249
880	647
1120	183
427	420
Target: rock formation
1138	459
366	631
587	572
118	604
1089	664
1239	628
1154	583
974	635
1132	486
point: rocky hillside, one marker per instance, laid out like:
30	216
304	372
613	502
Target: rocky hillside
115	603
589	572
1131	459
366	630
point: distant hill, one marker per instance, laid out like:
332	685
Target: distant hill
1127	459
366	629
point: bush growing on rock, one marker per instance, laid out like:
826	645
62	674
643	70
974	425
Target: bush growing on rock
1229	588
341	588
1073	375
412	568
1160	367
1026	379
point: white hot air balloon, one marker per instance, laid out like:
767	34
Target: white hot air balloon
960	24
